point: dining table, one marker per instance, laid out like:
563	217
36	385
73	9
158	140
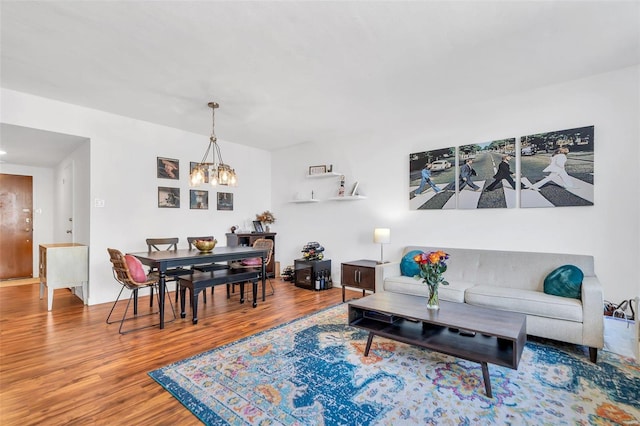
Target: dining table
163	260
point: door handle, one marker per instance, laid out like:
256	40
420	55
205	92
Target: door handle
69	231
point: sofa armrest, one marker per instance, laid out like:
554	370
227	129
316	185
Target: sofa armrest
384	270
592	312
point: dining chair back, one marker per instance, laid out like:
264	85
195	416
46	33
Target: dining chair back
160	244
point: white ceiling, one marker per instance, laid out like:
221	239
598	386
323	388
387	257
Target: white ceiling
291	72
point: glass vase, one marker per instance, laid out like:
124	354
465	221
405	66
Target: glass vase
432	301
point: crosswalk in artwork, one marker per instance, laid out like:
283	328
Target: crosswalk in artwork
552	169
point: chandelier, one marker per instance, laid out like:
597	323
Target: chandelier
215	172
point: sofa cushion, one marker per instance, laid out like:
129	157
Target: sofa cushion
408	266
454	292
525	301
565	281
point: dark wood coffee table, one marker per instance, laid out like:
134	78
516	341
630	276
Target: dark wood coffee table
469	332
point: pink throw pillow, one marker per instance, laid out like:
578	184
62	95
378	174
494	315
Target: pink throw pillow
254	261
135	268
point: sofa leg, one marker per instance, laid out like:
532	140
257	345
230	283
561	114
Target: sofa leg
593	355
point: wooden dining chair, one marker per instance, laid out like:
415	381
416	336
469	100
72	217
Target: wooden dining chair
256	263
160	244
133	279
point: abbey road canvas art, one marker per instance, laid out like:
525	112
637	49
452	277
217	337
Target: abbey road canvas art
486	175
429	173
557	168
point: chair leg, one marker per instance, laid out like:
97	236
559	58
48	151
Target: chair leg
134	296
114	306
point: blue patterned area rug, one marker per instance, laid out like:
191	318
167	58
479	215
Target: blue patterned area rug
312	371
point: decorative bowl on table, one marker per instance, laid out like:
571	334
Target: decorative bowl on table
205	245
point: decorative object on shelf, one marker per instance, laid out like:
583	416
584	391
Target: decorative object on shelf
198	200
225	200
313	251
205	245
266	218
168	197
382	236
168	168
257	226
233	229
214	172
354	191
341	189
432	266
317	170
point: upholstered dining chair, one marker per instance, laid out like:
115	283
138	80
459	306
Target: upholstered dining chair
263	244
159	244
128	271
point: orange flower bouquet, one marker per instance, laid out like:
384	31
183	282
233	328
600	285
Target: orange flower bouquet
432	267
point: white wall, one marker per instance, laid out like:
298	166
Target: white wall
43	204
609	230
123	160
122	172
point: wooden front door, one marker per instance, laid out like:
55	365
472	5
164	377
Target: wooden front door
16	226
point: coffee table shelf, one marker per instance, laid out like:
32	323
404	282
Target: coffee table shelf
476	348
497	337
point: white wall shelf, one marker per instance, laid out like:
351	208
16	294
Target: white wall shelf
348	198
311	200
324	175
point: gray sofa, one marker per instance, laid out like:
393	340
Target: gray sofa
513	281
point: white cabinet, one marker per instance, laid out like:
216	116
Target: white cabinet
64	265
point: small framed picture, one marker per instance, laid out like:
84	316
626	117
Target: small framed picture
168	197
225	200
258	226
168	168
198	200
317	170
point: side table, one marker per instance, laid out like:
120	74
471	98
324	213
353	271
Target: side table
359	274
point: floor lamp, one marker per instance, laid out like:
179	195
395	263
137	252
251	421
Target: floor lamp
382	236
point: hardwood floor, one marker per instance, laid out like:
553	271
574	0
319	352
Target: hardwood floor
68	366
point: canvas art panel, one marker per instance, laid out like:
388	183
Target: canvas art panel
168	197
557	168
168	168
198	200
225	200
486	175
429	172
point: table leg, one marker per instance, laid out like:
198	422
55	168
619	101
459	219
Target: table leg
342	294
194	307
242	292
161	289
264	280
255	292
487	379
183	296
369	340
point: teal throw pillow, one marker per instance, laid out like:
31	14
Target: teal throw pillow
408	267
565	281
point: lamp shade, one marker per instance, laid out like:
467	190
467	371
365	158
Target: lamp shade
382	235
